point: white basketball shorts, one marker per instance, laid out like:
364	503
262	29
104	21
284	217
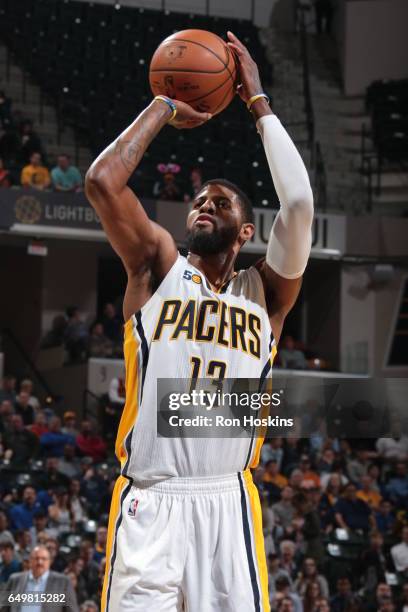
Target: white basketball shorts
186	544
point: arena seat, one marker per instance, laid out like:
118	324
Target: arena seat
92	60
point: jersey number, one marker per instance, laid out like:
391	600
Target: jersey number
215	369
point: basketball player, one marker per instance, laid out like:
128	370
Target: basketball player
185	528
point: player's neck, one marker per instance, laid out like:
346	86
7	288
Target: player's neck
218	269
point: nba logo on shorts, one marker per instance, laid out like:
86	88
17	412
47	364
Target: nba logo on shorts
133	507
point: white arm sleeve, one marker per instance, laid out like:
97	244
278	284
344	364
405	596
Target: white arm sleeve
291	237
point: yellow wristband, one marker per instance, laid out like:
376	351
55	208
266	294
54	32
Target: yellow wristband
256	97
170	104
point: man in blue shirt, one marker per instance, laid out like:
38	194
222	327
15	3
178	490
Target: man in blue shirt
22	515
351	512
53	442
9	565
64	176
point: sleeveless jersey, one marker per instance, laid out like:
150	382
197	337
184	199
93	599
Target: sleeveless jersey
186	325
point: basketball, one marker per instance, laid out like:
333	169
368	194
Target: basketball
197	67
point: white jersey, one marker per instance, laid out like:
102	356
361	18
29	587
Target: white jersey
186	329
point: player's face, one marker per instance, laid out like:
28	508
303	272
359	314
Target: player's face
214	222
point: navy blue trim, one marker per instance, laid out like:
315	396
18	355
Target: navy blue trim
145	349
118	523
248	546
265	371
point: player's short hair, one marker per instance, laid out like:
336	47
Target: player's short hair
244	201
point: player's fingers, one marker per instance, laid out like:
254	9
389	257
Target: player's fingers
237	50
235	40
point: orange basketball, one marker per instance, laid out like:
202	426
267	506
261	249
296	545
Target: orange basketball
197	67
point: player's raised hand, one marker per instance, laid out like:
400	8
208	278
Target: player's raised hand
250	82
187	117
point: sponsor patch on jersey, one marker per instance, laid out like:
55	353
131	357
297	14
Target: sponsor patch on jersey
133	507
196	278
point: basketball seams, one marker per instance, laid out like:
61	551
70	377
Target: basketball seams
208	93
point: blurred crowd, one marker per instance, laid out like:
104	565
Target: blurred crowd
103	338
23	158
335	511
56	480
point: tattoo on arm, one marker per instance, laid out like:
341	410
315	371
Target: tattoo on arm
130	152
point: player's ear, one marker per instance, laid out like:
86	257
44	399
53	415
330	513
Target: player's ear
247	231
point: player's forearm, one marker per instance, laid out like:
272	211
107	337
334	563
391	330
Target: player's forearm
290	240
112	169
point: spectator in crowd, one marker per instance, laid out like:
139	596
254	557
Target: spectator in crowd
76	335
57	561
395	448
357	466
385	517
275	572
22	443
307	523
290	357
397	488
313	594
29	144
309	476
5	176
35	175
6	118
344	598
287	558
27	386
9	563
60	511
399	553
326	461
309	574
99	344
292	451
112	324
273	476
56	336
6	412
337	474
272	451
5	533
196	181
373	563
39	426
65	176
42	579
368	493
88	606
282	592
24	408
353	513
382	596
328	500
78	503
284	510
90	444
69	464
167	188
100	544
22	514
53	477
8	388
296	480
39	528
70	424
53	442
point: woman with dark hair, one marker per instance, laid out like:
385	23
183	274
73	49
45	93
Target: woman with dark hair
312	595
307	523
310	574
